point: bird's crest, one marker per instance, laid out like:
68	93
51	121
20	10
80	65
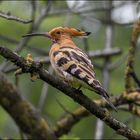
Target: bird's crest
69	31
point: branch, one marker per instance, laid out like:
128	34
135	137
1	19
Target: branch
105	53
24	114
135	78
65	124
130	60
8	16
76	95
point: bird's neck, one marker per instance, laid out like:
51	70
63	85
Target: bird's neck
65	40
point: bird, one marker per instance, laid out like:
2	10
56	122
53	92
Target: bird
70	63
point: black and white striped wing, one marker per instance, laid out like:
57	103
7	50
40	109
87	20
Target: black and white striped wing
76	63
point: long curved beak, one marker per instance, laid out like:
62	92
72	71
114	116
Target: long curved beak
45	34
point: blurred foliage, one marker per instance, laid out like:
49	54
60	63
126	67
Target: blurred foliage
32	90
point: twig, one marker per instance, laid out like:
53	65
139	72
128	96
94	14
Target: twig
75	94
8	16
105	53
127	121
118	62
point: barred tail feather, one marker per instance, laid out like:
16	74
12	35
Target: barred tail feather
105	95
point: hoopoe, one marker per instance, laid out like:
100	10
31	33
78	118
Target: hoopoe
70	63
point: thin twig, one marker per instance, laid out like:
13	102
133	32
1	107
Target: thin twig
127	121
8	16
118	62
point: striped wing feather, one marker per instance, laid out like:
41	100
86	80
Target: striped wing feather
76	63
72	62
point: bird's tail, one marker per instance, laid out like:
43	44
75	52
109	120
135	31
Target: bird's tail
105	95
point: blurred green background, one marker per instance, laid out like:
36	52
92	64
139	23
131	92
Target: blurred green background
89	21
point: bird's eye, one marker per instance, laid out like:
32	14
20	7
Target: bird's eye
58	32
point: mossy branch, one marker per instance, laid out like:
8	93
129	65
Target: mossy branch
76	95
24	114
130	60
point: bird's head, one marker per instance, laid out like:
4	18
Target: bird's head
59	32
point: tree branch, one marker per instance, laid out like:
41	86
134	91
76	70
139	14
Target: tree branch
133	74
8	16
76	95
130	60
24	114
64	125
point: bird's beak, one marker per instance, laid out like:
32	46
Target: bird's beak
45	34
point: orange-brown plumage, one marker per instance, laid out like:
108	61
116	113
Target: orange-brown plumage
70	62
